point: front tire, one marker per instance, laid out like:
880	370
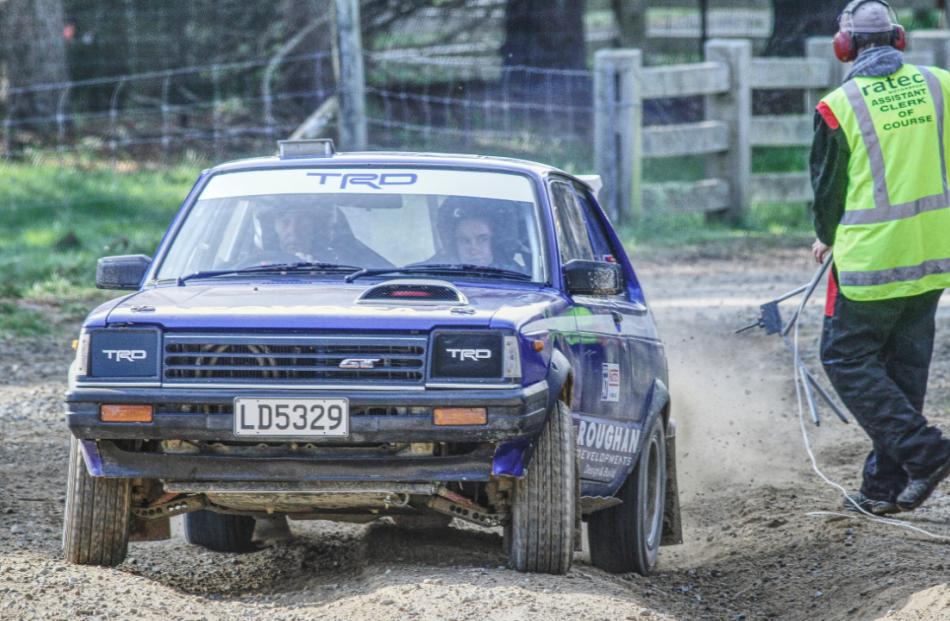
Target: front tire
626	538
220	532
541	533
96	524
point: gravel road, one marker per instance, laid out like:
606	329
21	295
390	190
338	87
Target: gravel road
752	552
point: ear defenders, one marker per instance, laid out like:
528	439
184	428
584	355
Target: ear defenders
846	48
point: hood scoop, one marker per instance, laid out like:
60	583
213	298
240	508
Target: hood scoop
414	292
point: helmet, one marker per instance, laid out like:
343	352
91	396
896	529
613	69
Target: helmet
866	17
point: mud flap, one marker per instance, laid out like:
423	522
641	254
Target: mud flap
672	522
578	516
158	529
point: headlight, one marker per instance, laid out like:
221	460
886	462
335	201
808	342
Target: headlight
512	358
82	354
474	355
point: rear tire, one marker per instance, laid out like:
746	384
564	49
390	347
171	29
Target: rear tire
541	533
96	524
626	538
220	532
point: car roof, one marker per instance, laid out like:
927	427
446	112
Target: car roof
395	158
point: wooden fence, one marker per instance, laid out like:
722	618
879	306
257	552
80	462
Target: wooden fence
728	133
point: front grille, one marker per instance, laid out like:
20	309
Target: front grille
294	359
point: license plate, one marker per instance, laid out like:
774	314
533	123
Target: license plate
291	417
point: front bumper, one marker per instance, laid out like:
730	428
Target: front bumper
515	417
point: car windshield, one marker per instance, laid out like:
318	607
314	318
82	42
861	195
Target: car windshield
374	219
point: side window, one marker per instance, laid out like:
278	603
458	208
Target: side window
600	242
572	238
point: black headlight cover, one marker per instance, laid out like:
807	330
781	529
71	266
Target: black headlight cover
466	355
124	354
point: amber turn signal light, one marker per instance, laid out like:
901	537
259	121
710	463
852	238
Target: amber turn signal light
459	416
125	413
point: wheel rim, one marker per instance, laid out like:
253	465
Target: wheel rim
653	516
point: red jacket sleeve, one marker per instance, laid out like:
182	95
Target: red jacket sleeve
829	117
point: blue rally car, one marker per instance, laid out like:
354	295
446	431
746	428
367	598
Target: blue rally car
352	336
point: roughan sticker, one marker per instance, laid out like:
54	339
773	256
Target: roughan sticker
610	382
607	437
605	450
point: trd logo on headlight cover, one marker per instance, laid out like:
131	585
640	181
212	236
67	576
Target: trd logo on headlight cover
359	363
472	355
125	355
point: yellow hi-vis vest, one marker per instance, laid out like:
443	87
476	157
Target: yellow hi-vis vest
893	240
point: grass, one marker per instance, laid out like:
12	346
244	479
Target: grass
21	320
773	223
60	216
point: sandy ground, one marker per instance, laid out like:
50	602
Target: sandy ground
751	551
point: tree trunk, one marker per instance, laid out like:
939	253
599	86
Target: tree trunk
545	33
35	53
631	16
796	20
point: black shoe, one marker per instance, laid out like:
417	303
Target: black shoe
877	507
919	490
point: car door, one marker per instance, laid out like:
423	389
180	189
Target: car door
628	376
601	363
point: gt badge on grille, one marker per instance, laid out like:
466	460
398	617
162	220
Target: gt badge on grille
359	363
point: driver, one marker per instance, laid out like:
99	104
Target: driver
297	233
306	234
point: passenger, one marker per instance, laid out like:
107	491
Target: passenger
473	241
474	235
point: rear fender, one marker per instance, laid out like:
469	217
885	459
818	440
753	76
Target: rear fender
660	409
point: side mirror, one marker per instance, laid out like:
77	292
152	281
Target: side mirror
593	277
121	272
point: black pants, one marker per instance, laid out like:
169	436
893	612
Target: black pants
877	356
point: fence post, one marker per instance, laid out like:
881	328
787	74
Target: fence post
352	86
936	42
618	140
734	108
820	48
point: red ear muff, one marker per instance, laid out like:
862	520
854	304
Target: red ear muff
900	38
844	46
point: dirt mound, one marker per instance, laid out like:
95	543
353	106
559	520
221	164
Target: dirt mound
932	603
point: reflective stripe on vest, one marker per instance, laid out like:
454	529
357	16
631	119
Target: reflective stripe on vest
883	210
894	236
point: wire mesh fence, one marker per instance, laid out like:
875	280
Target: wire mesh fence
217	110
227	110
483	107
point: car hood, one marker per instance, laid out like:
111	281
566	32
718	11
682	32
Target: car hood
326	306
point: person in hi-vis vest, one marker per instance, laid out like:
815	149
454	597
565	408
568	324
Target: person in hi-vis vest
879	171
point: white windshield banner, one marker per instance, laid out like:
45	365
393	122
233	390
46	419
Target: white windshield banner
491	185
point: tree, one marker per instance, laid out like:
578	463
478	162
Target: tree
631	17
35	53
545	33
796	20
